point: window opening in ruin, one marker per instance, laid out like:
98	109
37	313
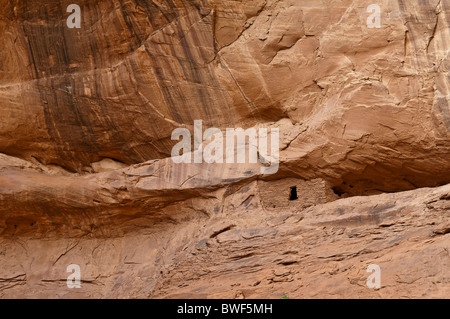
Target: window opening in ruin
293	195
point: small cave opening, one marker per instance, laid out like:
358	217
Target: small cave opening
293	194
338	191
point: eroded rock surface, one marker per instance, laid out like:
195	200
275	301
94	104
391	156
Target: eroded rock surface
85	142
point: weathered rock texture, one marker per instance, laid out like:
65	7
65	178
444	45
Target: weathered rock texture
85	140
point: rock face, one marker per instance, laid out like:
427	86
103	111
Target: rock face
86	175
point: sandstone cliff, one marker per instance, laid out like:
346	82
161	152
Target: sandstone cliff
85	143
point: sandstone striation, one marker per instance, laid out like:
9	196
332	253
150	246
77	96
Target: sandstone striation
87	178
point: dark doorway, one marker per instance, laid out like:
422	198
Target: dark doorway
293	195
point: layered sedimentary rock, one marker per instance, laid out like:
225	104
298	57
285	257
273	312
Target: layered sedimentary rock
230	244
86	175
